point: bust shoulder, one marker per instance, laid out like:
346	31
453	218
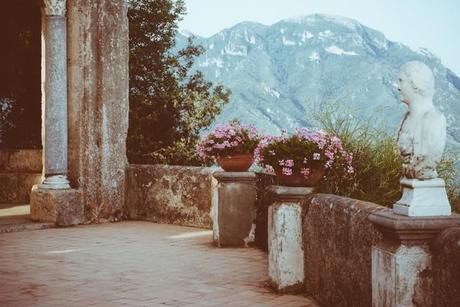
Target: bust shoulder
434	117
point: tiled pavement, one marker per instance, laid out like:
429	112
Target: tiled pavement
132	264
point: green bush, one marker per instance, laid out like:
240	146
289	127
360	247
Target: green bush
376	159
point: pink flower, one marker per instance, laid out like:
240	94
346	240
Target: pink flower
286	171
289	163
305	172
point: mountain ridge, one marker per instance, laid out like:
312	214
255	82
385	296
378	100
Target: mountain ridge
280	72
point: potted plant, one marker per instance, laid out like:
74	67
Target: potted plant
231	145
302	158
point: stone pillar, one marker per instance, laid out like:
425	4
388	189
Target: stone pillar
401	263
285	245
98	87
54	95
53	201
233	208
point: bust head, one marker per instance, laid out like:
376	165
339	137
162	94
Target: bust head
416	82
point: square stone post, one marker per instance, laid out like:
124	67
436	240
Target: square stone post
285	244
401	264
233	208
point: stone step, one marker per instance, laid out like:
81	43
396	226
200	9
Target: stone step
7	228
16	217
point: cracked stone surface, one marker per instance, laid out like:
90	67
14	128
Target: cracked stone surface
132	264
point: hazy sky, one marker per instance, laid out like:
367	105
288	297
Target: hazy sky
433	24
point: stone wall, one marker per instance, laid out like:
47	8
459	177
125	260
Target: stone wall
169	194
446	268
20	169
337	246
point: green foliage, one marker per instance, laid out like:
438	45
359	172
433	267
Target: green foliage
376	160
169	104
20	105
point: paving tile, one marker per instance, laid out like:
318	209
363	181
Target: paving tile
132	264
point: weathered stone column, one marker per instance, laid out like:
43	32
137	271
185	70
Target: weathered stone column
233	208
285	248
54	95
53	200
401	264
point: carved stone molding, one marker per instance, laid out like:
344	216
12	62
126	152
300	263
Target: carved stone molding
54	7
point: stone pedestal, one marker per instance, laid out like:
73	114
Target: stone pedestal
285	249
423	198
233	208
62	207
401	264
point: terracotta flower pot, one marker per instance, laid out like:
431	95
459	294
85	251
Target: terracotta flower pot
298	180
236	163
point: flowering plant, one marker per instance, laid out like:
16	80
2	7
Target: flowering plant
302	153
229	139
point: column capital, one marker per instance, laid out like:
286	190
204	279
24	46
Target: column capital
54	7
235	176
290	194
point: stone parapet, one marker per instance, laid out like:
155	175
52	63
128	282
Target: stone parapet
20	169
337	243
178	195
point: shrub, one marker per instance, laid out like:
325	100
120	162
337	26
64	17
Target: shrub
376	159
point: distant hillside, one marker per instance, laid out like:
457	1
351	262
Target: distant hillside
279	73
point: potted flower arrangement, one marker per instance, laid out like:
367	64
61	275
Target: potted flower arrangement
231	145
302	158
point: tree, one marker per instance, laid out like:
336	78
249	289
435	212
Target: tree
20	93
169	103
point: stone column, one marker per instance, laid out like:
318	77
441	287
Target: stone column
401	263
285	244
233	208
54	95
53	201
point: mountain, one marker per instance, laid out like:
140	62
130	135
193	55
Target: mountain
281	72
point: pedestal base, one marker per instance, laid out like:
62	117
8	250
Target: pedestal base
423	198
285	245
233	208
56	182
62	207
399	276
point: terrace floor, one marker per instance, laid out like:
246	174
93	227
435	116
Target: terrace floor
132	264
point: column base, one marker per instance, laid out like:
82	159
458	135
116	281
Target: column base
62	207
423	198
56	182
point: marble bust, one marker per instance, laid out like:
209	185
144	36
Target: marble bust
422	133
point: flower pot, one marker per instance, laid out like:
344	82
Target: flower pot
298	180
236	163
